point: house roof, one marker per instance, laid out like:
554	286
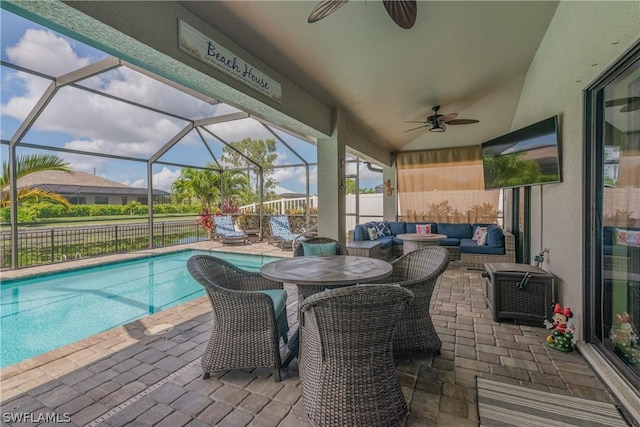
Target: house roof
79	183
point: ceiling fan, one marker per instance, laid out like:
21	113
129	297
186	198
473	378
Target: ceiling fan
403	12
438	122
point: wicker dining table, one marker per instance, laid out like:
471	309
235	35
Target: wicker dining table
313	274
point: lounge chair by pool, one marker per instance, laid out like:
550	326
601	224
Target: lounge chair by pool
226	233
281	232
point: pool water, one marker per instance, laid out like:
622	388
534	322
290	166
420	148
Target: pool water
46	312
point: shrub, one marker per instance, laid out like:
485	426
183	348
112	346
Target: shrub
50	210
28	213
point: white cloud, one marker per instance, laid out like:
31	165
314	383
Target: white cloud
44	51
88	164
139	183
283	174
163	179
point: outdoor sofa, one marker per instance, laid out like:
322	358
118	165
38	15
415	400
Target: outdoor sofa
460	242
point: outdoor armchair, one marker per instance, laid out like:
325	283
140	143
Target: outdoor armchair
308	290
347	370
280	232
225	232
418	271
249	316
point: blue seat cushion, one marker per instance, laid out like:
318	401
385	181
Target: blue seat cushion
449	241
397	241
385	242
471	247
459	230
320	249
495	236
278	299
397	227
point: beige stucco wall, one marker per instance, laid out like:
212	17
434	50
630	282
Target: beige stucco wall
583	40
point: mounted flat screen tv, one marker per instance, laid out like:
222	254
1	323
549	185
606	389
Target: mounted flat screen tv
525	157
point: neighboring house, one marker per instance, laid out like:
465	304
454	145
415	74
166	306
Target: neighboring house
81	188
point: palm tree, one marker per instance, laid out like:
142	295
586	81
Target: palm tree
204	185
29	164
201	184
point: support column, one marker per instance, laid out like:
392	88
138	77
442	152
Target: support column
390	202
331	181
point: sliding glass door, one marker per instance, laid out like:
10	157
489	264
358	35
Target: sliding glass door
612	200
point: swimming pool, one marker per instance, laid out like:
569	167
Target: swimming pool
46	312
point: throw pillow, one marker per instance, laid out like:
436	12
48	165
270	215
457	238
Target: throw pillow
423	229
482	239
382	229
478	232
627	236
495	236
319	249
373	234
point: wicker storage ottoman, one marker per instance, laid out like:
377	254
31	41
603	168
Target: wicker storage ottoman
519	292
365	248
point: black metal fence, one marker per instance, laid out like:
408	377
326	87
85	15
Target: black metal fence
52	245
67	243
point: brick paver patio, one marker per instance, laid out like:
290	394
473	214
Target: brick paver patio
124	377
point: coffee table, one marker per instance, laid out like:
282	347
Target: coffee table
413	241
313	274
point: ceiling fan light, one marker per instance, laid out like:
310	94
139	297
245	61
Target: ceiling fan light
437	128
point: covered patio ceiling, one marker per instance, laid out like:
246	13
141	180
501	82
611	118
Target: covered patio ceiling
469	57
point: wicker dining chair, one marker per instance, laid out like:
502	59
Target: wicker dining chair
418	271
340	249
249	316
308	290
347	370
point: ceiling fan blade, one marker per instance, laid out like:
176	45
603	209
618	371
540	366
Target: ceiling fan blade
419	127
324	9
416	121
631	106
621	101
403	12
462	122
447	117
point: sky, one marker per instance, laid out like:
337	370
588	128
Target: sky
80	120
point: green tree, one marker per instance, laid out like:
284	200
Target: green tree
350	185
29	164
262	152
200	184
204	185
